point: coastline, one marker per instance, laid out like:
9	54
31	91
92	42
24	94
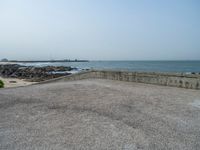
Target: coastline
18	75
13	82
188	67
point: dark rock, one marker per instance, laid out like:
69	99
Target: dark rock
33	73
12	81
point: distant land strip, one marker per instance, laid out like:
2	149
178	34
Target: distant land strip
45	61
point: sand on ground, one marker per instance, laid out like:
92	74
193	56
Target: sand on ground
14	82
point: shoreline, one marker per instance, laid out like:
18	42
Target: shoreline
190	67
33	73
15	75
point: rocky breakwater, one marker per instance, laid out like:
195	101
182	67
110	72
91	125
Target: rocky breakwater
32	73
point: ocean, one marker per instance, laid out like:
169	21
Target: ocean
143	66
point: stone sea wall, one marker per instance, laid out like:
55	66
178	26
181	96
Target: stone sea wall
189	81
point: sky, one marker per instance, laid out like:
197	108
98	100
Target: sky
100	29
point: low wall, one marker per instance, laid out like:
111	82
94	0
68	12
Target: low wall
166	79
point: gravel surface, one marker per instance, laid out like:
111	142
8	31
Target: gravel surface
99	114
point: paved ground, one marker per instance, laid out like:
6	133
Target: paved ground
99	114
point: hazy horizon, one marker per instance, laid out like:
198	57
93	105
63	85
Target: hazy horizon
49	59
100	30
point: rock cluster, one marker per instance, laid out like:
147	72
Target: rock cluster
33	73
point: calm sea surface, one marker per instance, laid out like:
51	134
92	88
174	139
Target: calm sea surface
147	66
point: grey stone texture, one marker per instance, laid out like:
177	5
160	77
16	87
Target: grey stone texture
99	114
189	81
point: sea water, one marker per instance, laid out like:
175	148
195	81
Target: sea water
146	66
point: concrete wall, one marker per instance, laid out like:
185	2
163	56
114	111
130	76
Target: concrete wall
176	80
166	79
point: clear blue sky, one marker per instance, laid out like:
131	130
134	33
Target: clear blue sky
100	29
